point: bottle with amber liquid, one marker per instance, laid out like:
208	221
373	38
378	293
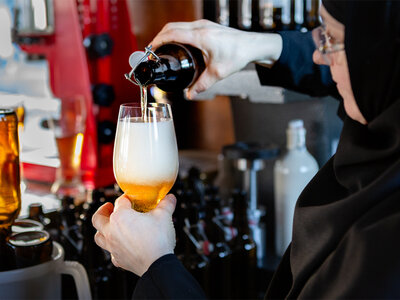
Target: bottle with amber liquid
173	68
10	190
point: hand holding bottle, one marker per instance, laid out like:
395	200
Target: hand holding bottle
225	50
135	240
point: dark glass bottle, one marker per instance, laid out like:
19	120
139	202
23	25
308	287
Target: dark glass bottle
7	258
244	256
311	15
192	246
36	213
221	255
177	68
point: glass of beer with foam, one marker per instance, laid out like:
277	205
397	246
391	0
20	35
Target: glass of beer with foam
145	153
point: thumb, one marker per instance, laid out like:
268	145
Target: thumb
167	204
122	202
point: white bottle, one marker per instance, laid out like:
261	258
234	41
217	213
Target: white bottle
292	172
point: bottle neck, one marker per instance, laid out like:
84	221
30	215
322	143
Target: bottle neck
178	66
240	219
296	138
152	72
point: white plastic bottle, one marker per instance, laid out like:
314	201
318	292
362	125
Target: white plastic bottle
292	172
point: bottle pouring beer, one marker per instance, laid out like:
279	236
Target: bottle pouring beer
171	67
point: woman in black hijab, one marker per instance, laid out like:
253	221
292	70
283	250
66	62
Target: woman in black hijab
347	220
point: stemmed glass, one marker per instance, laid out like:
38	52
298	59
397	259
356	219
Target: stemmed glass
145	154
69	127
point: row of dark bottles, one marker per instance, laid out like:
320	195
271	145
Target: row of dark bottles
264	15
214	240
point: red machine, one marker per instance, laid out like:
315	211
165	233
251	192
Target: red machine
88	54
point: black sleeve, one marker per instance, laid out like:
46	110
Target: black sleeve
167	278
295	69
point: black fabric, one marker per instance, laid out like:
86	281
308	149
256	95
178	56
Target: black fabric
347	220
336	8
167	278
372	41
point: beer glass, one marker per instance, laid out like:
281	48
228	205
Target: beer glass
68	127
145	154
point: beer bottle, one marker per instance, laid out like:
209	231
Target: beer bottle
193	248
174	68
311	16
10	192
244	256
220	257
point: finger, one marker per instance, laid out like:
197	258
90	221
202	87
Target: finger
100	240
205	81
102	216
167	204
174	35
113	260
122	202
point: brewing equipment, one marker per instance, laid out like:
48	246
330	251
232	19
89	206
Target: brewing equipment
86	44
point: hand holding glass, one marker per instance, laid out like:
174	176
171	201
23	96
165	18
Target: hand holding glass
145	154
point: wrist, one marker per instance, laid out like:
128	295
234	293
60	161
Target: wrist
265	48
151	260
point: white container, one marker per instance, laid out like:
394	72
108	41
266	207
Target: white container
292	172
43	281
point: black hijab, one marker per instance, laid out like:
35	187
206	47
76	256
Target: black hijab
372	41
347	220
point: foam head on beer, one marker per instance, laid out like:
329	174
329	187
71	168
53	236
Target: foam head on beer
145	159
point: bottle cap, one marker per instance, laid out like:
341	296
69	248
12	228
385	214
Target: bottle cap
31	247
135	59
297	123
24	225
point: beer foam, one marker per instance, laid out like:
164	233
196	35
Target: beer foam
145	152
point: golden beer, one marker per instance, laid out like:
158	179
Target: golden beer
10	192
69	126
70	153
145	155
145	197
20	111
